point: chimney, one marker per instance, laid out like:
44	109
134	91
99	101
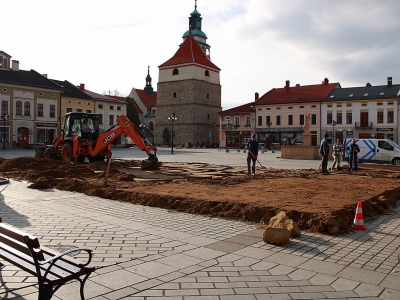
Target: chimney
15	65
389	81
287	84
297	84
256	96
82	86
326	81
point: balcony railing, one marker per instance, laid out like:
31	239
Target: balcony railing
363	125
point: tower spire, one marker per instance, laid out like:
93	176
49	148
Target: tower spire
195	4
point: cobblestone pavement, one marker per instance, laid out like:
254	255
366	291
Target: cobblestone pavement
150	253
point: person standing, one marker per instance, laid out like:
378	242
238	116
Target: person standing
252	146
353	151
324	152
336	152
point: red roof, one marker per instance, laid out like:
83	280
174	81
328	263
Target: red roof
189	53
245	108
102	97
296	94
148	101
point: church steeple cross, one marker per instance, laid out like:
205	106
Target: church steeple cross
195	4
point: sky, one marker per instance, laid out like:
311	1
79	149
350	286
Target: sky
257	44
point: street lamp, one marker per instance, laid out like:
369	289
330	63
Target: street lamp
172	118
143	128
4	118
333	131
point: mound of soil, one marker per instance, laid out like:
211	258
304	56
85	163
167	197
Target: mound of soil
322	203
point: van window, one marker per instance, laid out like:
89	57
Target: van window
385	145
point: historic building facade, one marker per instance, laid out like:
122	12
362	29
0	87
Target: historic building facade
189	87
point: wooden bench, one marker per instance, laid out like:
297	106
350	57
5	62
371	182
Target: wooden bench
51	269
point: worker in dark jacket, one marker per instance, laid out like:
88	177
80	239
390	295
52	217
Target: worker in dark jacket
353	155
252	146
324	152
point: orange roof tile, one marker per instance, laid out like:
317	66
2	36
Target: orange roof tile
296	94
148	101
189	53
245	108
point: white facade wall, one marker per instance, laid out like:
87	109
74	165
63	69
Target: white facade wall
387	129
189	72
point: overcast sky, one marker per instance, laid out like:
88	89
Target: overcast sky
257	44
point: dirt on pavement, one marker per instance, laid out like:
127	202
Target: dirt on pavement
314	201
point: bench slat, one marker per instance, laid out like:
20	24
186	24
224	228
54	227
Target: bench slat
17	234
13	243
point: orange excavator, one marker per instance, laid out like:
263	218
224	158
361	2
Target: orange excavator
80	138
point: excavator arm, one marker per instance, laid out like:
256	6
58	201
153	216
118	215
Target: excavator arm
124	125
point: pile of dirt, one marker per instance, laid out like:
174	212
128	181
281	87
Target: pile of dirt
322	203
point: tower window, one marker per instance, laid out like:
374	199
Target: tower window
175	72
208	96
207	73
174	95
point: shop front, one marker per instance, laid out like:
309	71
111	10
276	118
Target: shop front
45	132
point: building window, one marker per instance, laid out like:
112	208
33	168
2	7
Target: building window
100	118
259	123
301	119
290	107
68	109
313	119
278	120
237	121
363	104
268	108
364	118
247	120
52	111
208	96
329	118
301	106
379	103
349	118
111	107
208	116
27	109
100	106
4	107
290	120
118	107
339	118
390	116
268	120
18	107
348	104
329	105
175	72
379	117
174	95
79	110
88	111
339	105
227	120
40	109
313	106
111	120
207	73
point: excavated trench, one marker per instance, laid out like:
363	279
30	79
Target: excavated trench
315	202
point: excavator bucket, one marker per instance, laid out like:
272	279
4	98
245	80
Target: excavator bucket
151	163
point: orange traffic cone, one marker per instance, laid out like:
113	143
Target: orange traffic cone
359	219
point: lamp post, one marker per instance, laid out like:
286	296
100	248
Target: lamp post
143	128
333	131
172	118
5	118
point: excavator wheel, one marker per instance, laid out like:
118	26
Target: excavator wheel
66	152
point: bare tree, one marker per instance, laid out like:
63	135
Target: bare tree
111	93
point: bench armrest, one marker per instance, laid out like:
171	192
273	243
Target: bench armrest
54	259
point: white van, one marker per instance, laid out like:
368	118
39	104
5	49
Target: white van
376	150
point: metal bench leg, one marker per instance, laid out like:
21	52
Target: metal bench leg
83	285
45	292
